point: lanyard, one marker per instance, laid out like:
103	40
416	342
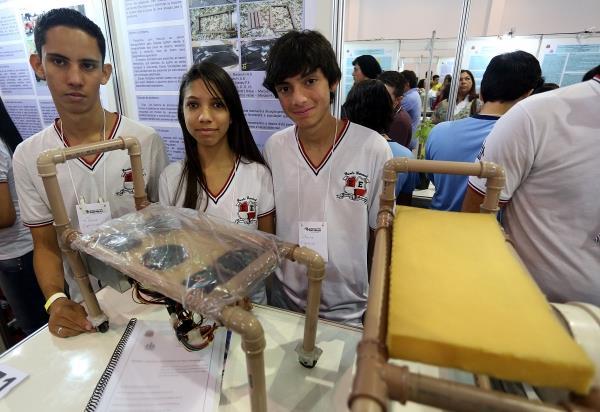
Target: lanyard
80	199
330	160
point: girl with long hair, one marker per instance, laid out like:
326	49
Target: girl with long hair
223	173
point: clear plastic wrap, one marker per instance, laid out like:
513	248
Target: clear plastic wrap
199	260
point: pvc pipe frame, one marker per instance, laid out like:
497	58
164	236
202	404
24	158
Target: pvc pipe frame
376	381
250	329
233	317
46	165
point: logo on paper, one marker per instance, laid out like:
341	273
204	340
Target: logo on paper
246	210
355	187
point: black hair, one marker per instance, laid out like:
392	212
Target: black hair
395	80
591	74
68	18
8	131
421	84
239	137
545	87
369	104
509	76
369	65
472	93
300	52
411	78
435	76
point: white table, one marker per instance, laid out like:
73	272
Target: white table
63	372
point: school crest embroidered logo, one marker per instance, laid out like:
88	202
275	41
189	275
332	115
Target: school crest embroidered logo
127	175
246	210
355	187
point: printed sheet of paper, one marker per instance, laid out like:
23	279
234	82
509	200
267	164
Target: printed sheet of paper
156	373
9	378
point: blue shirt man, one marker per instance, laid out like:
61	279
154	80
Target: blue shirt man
458	141
411	102
508	78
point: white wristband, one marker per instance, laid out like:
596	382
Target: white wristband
52	298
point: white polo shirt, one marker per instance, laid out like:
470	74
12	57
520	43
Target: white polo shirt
246	195
111	170
344	192
549	145
15	241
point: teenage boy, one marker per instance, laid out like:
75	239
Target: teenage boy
70	57
326	178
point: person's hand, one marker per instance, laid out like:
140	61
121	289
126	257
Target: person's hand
68	318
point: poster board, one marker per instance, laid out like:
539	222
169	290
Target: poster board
158	40
565	59
385	51
480	50
26	97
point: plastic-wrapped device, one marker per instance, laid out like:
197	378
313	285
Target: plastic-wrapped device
201	261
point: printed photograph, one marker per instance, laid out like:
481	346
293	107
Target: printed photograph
223	53
214	23
270	18
254	54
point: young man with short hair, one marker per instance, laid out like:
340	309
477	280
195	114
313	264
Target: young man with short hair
509	78
400	128
70	57
326	178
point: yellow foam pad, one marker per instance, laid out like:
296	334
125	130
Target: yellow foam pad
459	298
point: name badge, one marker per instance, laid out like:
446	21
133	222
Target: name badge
313	235
92	215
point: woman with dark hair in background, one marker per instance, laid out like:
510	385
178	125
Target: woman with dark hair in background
370	104
467	99
365	67
223	173
17	277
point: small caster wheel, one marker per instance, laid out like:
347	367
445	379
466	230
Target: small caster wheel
308	364
103	327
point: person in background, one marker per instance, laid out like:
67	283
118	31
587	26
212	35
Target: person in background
70	57
435	83
440	111
411	102
467	101
508	79
400	131
447	81
228	173
365	67
545	87
591	73
548	146
326	177
17	277
369	104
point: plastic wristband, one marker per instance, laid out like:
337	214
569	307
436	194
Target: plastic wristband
53	298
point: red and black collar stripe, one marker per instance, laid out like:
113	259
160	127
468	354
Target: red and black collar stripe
338	139
65	142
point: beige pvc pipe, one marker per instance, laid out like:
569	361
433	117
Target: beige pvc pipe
406	386
253	344
46	165
309	353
